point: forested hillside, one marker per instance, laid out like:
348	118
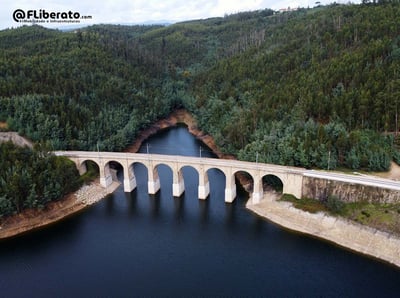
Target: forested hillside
30	178
315	88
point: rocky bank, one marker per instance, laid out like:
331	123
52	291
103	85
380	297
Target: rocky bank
345	233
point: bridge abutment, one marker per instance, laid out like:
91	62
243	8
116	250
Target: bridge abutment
294	185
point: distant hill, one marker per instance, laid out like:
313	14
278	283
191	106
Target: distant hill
314	87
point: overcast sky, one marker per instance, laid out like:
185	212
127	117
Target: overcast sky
143	11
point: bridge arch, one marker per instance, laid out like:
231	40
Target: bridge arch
272	182
112	166
154	177
179	181
104	171
136	167
84	165
188	167
106	175
246	176
212	173
204	184
259	181
291	178
183	172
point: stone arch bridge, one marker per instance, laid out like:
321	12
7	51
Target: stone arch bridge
291	178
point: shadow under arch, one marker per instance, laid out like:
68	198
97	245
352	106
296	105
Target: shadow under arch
217	180
114	169
190	180
272	183
89	170
244	182
140	171
272	187
166	172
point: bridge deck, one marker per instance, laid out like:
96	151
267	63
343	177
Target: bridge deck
288	175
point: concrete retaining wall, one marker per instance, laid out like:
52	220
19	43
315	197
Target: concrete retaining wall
317	188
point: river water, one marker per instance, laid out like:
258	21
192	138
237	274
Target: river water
131	245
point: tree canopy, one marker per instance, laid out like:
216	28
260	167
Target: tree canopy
314	87
32	178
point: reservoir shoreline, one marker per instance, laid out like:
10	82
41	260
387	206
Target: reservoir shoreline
74	203
356	237
345	233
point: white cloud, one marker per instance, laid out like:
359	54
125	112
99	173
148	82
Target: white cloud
141	11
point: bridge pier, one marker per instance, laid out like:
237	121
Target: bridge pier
129	178
82	169
204	185
154	181
178	186
105	176
230	189
258	191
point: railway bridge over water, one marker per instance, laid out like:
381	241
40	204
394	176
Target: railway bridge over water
290	177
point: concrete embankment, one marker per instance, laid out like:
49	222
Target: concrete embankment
348	234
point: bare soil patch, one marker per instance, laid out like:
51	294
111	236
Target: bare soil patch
393	173
15	138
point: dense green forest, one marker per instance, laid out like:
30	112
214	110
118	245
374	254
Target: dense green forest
30	178
314	87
